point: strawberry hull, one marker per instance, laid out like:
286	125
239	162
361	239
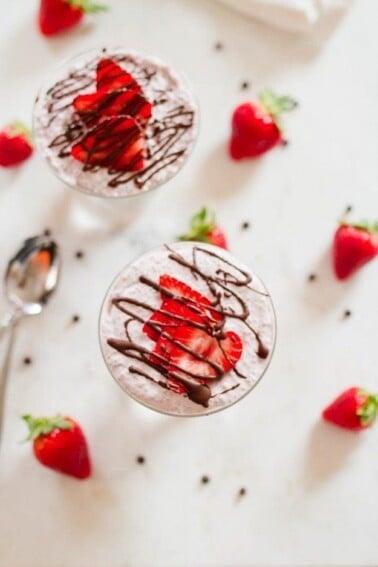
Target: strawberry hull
181	337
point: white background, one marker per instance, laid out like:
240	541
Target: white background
312	489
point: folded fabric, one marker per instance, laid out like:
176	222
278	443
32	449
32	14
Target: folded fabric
294	15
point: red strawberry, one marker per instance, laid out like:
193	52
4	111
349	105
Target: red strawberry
354	409
199	306
56	16
256	126
104	103
59	443
203	228
193	307
15	144
223	353
116	143
110	76
354	246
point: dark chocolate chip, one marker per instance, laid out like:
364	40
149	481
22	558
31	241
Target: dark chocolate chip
285	143
312	277
79	254
347	313
245	85
27	360
75	318
348	209
47	232
218	46
205	479
140	459
245	225
242	491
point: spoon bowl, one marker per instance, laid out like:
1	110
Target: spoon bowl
32	275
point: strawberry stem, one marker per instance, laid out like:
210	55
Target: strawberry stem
87	6
275	105
369	410
44	425
201	224
18	128
371	227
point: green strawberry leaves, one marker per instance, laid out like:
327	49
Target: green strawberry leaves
88	6
201	224
369	410
44	425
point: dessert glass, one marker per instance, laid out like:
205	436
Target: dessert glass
163	139
187	330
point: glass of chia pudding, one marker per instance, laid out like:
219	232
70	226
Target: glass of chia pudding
113	123
187	330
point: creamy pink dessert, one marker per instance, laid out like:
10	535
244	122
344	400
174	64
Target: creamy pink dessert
115	123
186	329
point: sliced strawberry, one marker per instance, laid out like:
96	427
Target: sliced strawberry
162	321
111	76
116	143
219	356
104	103
182	362
226	352
195	300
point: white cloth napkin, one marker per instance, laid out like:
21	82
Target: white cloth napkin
293	15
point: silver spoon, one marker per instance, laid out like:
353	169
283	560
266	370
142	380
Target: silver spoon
30	279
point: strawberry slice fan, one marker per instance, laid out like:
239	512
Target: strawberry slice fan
189	339
115	117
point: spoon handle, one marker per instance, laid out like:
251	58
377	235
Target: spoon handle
4	373
8	320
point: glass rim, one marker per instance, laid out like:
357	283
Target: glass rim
183	80
168	413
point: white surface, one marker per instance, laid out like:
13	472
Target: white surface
294	15
312	489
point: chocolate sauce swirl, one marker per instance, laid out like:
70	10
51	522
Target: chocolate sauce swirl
225	302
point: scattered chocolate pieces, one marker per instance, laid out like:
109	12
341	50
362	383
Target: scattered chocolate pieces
27	360
312	277
140	459
218	46
285	143
205	479
47	232
245	85
75	318
348	209
245	225
347	313
79	254
242	491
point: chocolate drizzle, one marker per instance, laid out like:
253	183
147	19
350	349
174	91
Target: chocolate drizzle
225	303
164	134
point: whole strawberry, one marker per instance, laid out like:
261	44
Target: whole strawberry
354	409
15	144
353	246
56	16
203	228
256	125
59	443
